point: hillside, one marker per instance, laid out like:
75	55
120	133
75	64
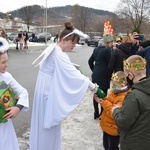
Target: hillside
56	15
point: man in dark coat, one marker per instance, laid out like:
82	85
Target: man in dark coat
98	63
117	57
133	118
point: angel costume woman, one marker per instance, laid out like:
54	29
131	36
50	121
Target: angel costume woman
59	89
8	138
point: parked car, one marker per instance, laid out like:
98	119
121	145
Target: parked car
94	41
12	36
81	40
41	37
8	34
101	42
32	37
30	34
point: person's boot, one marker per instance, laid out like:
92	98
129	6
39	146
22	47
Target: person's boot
96	115
96	109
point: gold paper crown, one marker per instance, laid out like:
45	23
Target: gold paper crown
119	78
136	65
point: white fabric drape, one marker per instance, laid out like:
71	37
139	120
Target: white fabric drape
59	89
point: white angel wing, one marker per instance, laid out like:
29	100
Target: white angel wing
45	53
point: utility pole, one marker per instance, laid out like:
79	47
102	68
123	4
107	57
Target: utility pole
46	23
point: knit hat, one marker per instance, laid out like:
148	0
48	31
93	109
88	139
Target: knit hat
108	38
145	44
4	46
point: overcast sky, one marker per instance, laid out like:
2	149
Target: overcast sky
9	5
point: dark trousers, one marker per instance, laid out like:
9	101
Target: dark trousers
96	108
110	142
17	45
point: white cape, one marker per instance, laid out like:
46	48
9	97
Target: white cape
59	89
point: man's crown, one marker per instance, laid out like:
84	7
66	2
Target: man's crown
136	65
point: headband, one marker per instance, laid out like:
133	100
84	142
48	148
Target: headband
80	33
50	48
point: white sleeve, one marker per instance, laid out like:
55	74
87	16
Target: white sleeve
21	93
18	89
91	86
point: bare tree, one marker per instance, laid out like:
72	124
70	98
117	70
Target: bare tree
134	13
79	17
27	15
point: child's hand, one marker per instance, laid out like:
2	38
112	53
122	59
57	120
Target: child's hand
12	112
119	104
114	107
98	100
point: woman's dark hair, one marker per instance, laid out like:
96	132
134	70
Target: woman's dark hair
68	29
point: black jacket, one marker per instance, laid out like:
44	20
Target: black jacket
98	63
117	57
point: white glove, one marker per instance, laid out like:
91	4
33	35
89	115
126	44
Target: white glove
93	87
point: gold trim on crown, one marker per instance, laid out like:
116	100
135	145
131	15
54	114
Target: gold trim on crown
116	78
137	65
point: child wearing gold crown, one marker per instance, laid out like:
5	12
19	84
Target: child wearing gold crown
133	118
107	123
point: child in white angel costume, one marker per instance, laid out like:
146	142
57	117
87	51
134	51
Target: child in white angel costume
59	89
8	138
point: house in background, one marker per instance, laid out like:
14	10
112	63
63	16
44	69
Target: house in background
17	25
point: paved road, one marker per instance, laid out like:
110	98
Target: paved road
20	67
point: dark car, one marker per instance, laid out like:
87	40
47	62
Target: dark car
41	37
94	41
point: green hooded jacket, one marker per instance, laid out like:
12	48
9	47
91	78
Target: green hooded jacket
133	119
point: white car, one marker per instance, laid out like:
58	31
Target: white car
81	41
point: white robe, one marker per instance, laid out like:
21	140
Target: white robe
8	139
59	89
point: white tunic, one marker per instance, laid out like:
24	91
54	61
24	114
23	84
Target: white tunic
59	89
8	139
